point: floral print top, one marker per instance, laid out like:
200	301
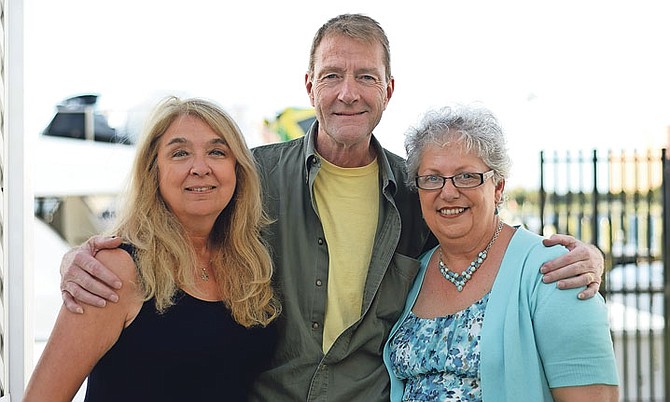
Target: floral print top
438	358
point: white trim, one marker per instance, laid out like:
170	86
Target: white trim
18	198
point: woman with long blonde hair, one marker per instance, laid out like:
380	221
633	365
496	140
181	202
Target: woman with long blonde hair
193	320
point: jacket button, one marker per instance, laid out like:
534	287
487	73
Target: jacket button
315	325
320	241
318	282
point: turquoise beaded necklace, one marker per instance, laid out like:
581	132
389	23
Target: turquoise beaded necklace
460	280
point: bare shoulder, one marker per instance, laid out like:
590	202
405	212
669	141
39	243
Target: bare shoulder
120	263
130	295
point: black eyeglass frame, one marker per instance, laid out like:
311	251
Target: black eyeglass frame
482	179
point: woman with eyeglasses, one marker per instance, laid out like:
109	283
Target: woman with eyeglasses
479	324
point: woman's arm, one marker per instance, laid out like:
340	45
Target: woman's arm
78	341
586	393
575	345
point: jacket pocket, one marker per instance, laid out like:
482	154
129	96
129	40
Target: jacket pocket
395	285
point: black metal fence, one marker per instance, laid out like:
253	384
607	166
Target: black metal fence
618	201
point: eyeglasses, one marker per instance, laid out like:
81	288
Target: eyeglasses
462	180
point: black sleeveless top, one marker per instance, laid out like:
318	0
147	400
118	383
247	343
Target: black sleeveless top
194	351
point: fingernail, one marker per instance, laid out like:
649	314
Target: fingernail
580	296
114	298
79	310
102	304
117	285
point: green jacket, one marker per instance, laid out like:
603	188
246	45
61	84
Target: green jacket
352	370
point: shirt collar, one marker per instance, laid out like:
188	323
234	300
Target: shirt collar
311	158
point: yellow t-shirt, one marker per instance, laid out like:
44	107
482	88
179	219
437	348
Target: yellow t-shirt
348	203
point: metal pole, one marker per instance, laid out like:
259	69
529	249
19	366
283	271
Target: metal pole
543	194
89	123
594	202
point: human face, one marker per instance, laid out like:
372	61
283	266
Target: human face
454	215
196	172
349	93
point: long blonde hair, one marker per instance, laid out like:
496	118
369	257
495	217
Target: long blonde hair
240	259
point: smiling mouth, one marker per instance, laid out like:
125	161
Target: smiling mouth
349	114
200	189
451	211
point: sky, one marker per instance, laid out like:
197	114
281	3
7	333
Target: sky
568	75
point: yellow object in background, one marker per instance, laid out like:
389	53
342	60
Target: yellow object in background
291	123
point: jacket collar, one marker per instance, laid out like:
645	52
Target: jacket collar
312	159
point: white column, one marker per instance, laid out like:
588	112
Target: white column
18	207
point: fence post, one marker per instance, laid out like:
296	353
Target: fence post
595	199
543	194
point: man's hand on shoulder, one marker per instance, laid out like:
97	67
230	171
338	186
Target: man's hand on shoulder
583	265
84	279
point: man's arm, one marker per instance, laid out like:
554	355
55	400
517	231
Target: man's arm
582	266
84	279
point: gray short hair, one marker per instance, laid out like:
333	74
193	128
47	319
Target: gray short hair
475	127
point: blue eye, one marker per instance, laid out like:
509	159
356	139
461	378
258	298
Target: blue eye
467	180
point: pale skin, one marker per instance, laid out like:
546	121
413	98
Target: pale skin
456	217
349	91
196	180
65	363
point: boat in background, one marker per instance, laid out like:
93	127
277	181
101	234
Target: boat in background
80	166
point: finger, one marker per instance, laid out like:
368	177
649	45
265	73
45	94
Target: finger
562	274
94	268
70	303
97	243
566	240
590	291
575	259
84	296
81	285
575	281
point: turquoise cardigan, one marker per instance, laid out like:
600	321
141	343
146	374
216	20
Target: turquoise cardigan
534	336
